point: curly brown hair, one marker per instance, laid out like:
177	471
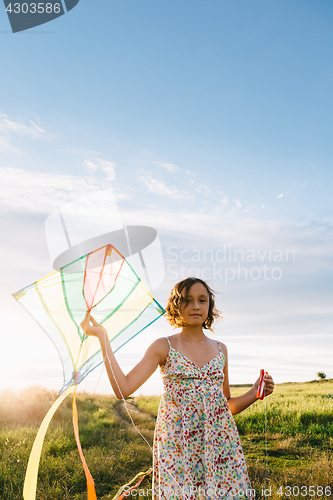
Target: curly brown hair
176	301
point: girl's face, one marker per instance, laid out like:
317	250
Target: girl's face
195	307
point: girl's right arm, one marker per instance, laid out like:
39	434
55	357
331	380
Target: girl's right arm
124	385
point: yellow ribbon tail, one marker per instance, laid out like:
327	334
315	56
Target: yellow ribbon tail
30	482
90	482
127	488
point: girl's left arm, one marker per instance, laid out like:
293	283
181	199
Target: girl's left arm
239	404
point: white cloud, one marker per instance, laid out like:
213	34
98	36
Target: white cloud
158	187
10	127
104	167
203	189
168	166
171	167
224	202
201	230
6	146
39	192
32	130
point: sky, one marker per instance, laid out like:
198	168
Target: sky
210	122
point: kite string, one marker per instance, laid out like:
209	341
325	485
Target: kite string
130	416
266	447
99	379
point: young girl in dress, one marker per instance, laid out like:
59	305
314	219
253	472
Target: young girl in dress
197	450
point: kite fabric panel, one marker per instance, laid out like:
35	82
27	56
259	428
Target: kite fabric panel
102	282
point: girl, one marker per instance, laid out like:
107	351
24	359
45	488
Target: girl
197	451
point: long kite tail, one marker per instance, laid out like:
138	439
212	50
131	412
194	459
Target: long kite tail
90	481
124	490
30	482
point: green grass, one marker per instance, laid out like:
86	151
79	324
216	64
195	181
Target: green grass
299	436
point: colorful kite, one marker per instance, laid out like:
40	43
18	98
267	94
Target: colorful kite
102	281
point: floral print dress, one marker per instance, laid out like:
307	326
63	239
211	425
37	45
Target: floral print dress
197	450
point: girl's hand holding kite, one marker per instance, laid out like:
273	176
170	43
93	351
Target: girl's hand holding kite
95	330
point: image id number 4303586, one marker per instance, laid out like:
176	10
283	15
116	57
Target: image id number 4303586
312	491
33	8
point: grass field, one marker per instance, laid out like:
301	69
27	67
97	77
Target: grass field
299	435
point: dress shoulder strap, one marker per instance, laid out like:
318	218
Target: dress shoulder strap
218	343
169	342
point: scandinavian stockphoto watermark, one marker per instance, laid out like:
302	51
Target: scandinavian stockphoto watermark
193	491
227	264
289	491
24	15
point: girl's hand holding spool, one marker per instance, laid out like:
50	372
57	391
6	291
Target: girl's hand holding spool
268	386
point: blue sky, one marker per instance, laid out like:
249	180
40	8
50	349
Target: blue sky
199	115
